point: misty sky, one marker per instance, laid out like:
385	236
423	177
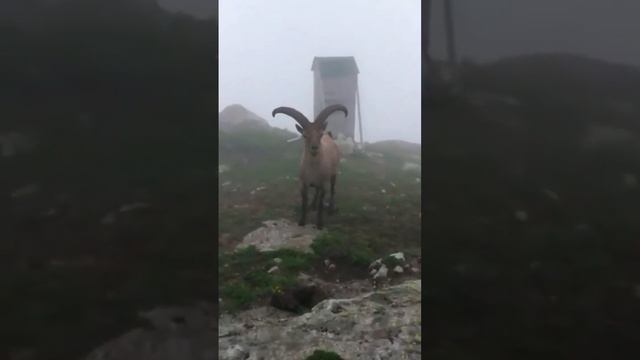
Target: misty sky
266	49
491	29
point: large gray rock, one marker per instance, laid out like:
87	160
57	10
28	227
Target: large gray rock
280	234
378	325
236	117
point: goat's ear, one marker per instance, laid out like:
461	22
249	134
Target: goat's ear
299	128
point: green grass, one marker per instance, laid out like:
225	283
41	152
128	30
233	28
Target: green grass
377	202
244	277
340	247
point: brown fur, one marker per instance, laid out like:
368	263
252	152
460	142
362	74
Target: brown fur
319	163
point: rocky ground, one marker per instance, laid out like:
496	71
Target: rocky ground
375	317
383	324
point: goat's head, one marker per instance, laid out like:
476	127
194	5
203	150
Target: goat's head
311	131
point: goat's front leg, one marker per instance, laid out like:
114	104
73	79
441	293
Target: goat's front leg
314	202
332	205
320	204
303	194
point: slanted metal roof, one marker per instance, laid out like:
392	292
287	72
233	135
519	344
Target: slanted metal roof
335	65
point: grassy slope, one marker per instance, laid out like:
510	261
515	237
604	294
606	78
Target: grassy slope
369	223
505	289
68	282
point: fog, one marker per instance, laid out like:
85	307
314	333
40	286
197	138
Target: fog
266	49
491	29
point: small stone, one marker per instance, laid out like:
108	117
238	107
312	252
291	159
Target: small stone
273	269
335	307
332	267
398	256
415	270
327	262
382	272
304	277
277	260
375	264
398	269
236	352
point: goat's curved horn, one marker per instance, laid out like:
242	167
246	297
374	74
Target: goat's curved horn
295	114
324	114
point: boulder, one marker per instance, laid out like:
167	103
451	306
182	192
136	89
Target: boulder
280	234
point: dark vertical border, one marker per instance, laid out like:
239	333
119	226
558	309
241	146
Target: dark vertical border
425	43
216	285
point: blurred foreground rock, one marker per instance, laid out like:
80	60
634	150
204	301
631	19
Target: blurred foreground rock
384	324
186	333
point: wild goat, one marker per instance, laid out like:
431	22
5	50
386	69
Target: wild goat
320	159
